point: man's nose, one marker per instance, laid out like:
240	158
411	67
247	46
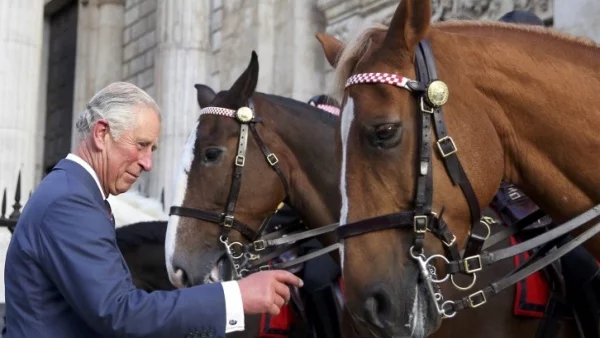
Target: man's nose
146	161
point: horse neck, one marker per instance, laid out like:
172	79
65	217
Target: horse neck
307	135
538	91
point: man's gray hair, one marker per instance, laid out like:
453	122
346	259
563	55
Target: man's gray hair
117	103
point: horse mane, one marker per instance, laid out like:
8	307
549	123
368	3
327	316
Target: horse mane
136	234
351	55
358	47
315	112
540	30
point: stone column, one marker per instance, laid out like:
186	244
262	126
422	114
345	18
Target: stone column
21	39
99	51
308	61
181	59
578	17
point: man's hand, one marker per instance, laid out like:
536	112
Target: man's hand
267	291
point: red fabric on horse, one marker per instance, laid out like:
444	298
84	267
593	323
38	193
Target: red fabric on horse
531	295
277	326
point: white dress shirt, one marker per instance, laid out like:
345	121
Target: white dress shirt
233	297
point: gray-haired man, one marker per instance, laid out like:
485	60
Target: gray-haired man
65	276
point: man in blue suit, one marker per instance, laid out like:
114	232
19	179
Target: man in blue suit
65	276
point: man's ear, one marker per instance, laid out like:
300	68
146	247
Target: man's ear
98	134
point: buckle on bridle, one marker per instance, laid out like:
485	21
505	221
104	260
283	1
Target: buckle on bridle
272	159
477	299
228	221
240	160
259	245
423	109
420	224
472	264
452	144
449	244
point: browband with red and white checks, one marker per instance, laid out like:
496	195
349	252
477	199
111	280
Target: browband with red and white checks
330	109
218	111
385	78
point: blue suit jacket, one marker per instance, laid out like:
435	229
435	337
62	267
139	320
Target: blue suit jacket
65	276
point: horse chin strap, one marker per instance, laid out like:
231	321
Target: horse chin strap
431	95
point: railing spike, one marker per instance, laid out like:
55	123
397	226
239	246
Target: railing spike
3	210
17	206
162	197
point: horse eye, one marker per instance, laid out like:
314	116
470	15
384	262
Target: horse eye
386	131
212	154
386	135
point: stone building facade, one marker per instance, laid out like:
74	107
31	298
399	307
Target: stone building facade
55	54
58	53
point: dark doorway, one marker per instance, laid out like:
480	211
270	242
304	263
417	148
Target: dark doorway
61	82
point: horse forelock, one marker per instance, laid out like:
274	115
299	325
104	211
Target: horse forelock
351	55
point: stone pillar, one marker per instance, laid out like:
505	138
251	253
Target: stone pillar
308	61
21	39
99	51
181	58
21	42
578	17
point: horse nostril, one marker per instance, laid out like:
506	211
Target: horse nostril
378	307
180	279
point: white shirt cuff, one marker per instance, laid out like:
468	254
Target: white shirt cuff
234	307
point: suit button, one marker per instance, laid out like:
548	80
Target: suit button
232	322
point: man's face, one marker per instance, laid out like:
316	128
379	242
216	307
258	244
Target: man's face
131	154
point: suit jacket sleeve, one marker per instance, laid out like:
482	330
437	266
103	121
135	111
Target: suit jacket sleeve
78	251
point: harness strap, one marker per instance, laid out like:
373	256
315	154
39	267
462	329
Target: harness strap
214	218
480	297
477	262
236	182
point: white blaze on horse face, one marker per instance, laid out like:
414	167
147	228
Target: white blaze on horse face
347	118
180	188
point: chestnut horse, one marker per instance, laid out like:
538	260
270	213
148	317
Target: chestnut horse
511	116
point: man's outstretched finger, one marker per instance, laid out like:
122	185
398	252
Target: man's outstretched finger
289	278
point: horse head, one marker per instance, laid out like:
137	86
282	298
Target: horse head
249	154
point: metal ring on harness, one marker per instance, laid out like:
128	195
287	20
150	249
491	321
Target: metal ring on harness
415	256
444	313
228	246
464	288
447	262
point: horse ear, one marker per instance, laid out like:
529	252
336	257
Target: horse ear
245	85
331	46
409	25
204	94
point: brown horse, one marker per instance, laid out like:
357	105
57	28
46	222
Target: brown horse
286	156
512	115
